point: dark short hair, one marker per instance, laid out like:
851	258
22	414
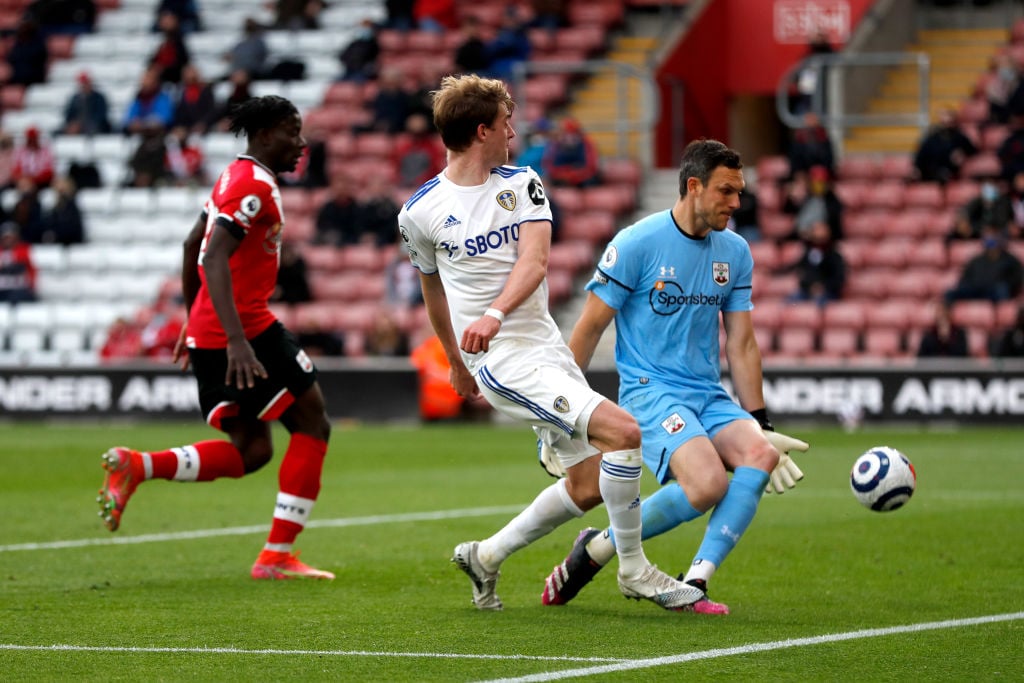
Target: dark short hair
701	158
258	113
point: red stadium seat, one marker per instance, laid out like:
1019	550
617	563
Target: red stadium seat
889	253
572	255
883	342
344	93
772	168
795	342
925	195
885	194
568	199
775	226
616	199
839	342
300	228
620	171
992	137
341	146
928	253
857	167
355	317
560	285
851	193
766	255
896	167
777	287
855	253
979	315
596	227
844	315
804	315
959	192
1006	313
769	198
866	224
380	145
974	110
981	165
366	258
906	224
962	251
868	283
602	14
892	314
767	314
587	39
391	40
424	41
325	258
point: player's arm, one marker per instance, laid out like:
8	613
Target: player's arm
436	301
190	284
243	366
586	333
529	271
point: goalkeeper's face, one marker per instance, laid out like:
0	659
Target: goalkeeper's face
716	201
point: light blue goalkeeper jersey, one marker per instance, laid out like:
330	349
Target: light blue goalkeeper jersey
668	289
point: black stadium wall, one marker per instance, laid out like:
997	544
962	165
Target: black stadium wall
387	390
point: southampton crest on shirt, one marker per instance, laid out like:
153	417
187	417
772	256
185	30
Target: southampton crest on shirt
720	272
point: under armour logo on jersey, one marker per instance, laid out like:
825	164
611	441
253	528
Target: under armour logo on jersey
668	271
450	247
451	222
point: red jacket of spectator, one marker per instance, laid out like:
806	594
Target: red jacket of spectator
33	161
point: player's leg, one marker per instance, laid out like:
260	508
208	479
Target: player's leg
298	488
744	450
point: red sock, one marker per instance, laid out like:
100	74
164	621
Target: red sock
299	484
203	461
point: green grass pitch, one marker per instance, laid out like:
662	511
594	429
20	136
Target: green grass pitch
820	588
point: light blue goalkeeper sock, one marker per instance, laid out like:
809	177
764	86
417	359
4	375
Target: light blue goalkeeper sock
666	509
732	515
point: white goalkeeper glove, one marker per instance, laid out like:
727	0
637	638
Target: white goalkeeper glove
786	474
549	460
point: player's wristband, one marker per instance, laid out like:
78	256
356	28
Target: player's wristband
761	415
496	314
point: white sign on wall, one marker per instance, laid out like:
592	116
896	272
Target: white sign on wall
797	22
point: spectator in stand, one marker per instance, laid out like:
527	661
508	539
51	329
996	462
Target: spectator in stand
194	103
152	108
318	340
27	213
436	16
537	140
148	163
1010	343
184	161
1011	152
471	54
171	53
251	53
386	338
297	15
339	219
509	47
438	400
421	94
62	223
379	212
811	199
402	290
1015	227
159	328
550	14
186	11
744	219
87	111
943	149
991	208
418	155
28	55
943	339
292	276
7	153
1003	79
33	160
821	269
124	342
17	272
68	17
359	58
241	90
812	80
400	15
571	157
811	146
390	106
994	274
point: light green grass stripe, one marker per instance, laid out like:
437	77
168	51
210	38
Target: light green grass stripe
759	647
263	528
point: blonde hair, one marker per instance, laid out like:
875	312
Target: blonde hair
462	103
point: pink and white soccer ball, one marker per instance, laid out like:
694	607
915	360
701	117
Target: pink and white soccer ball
883	479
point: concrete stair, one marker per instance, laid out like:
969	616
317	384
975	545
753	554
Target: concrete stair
958	58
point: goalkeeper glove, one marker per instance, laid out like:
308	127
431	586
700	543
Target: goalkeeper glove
786	474
549	460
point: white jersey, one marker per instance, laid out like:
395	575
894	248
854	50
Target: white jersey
470	236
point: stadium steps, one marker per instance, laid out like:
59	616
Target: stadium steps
958	58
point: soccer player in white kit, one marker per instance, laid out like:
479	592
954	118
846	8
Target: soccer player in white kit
479	233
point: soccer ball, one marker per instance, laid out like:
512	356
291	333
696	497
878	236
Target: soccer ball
883	479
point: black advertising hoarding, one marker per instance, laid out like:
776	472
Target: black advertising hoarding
387	390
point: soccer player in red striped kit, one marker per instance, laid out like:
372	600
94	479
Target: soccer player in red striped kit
250	370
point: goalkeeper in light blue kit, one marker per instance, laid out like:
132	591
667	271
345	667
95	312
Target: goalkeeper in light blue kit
664	281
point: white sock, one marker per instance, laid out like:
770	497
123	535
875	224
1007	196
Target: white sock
551	508
601	549
700	569
620	489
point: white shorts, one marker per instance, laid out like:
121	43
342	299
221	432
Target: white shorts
544	388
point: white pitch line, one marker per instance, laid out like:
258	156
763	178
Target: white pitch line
291	653
263	528
758	647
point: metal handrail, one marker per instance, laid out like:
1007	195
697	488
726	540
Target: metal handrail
621	124
834	116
